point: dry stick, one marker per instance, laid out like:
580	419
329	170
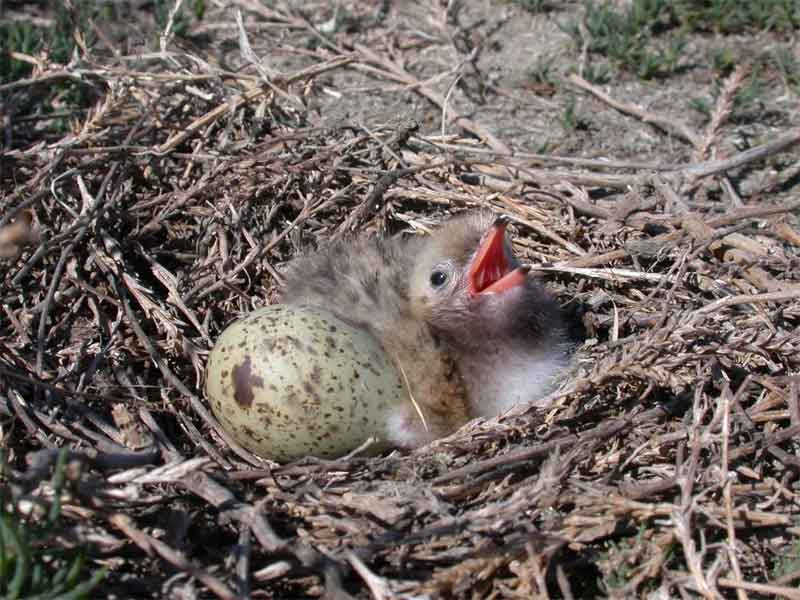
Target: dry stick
527	159
691	172
66	253
83	221
41	461
21	410
551	177
745	516
736	217
169	452
11	213
682	515
241	100
726	488
578	198
55	389
97	203
202	289
397	140
231	508
753	213
722	110
206	184
377	585
105	73
604	431
155	355
712	167
199	439
246	52
673	202
767	589
257	252
542	231
176	559
243	563
563	583
267	75
397	73
375	199
780	296
446	99
210	116
72	74
610	274
664	123
167	35
170	282
764	442
594	260
793	400
489	177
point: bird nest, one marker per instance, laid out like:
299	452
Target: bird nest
666	460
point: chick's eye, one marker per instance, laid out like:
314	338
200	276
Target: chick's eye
438	278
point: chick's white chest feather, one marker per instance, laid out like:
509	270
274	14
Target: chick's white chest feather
500	379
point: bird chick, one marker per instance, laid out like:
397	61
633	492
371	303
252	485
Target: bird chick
472	332
500	325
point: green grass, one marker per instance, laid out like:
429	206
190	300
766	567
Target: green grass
533	6
571	119
787	67
18	37
787	563
31	565
628	37
57	41
648	37
622	558
181	21
55	45
541	72
618	561
733	16
775	66
747	98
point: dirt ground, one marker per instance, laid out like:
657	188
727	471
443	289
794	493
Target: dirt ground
156	179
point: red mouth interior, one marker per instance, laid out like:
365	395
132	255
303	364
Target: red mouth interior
490	271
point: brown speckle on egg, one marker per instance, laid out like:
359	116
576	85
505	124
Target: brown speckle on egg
243	383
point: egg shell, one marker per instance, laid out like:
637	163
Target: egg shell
290	381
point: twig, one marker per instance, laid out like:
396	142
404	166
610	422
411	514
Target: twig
396	72
712	167
604	431
667	124
767	589
610	274
378	586
726	489
779	296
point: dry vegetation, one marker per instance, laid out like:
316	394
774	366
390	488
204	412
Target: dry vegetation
190	170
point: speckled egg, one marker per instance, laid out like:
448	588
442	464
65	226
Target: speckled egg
290	381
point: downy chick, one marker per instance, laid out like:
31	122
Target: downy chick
472	332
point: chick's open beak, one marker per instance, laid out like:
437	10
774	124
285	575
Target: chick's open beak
490	271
